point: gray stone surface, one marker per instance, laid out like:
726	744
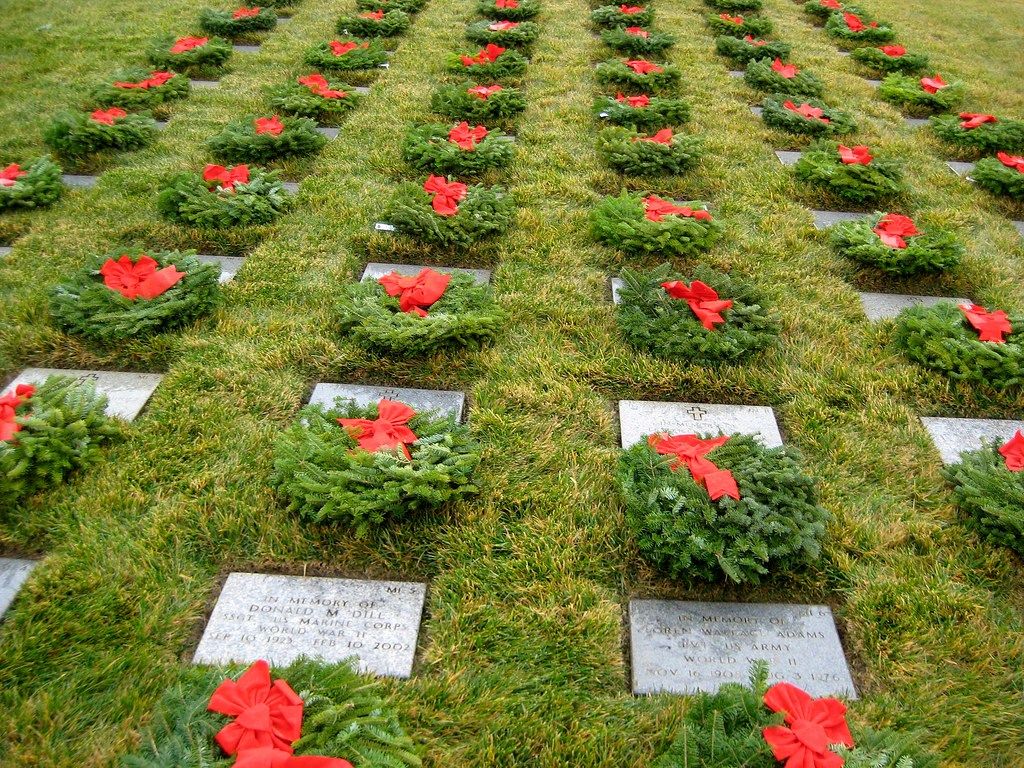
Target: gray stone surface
960	169
127	392
363	89
825	219
736	73
79	181
229	265
875	83
13	574
916	122
844	54
616	287
879	306
161	125
954	436
375	270
205	83
291	186
328	131
279	618
5	250
446	402
1020	227
383	226
638	418
246	48
756	111
686	647
788	158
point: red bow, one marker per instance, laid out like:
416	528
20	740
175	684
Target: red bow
814	724
375	15
416	293
1011	161
465	137
643	67
755	42
974	119
858	155
933	84
155	80
635	102
835	5
8	407
893	51
638	32
703	301
226	178
245	13
340	49
139	279
183	44
277	758
629	10
483	92
271	125
807	112
734	19
788	71
107	116
664	136
892	228
502	26
1013	451
446	194
388	430
692	451
10	175
487	55
506	3
990	325
655	209
267	716
318	84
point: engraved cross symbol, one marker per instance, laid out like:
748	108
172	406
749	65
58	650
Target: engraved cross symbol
697	413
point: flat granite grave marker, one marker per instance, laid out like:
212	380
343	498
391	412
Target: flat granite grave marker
229	265
1019	225
825	219
757	111
5	250
617	284
279	618
638	418
960	169
788	158
954	436
328	131
246	48
13	574
736	73
916	122
686	647
79	181
872	82
375	270
879	306
127	392
205	83
290	186
444	402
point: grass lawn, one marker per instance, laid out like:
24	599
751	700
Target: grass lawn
522	655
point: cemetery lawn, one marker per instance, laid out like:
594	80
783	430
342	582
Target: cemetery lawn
522	656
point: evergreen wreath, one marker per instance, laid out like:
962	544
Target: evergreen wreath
519	36
760	76
466	315
752	25
61	425
428	148
821	166
877	60
617	74
86	307
1005	135
775	115
940	338
458	103
630	152
406	6
635	44
732	6
36	184
202	61
620	222
837	27
76	135
934	250
523	10
993	175
743	51
483	212
344	715
655	322
147	94
821	10
612	16
391	24
658	112
189	200
908	94
294	98
240	142
990	495
224	23
368	54
323	475
776	526
509	64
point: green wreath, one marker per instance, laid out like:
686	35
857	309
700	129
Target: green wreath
615	73
658	113
837	27
776	526
344	715
40	185
990	496
205	61
636	45
224	24
189	200
427	148
509	64
612	16
873	58
239	142
86	307
465	316
62	426
653	321
369	55
990	174
743	51
483	212
524	10
934	250
456	102
821	10
620	222
820	166
754	25
940	338
518	37
151	97
908	94
75	135
323	475
391	24
760	76
296	99
406	6
1005	135
775	115
624	150
732	6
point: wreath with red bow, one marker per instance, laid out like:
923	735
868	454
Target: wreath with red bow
739	26
735	6
489	104
469	213
820	10
77	135
358	59
851	27
375	23
623	15
1001	175
748	48
35	184
637	41
640	225
314	96
805	116
238	23
633	153
893	244
920	96
140	88
189	57
876	59
253	139
642	112
852	174
974	134
489	64
774	76
513	10
638	75
220	197
407	6
459	150
504	32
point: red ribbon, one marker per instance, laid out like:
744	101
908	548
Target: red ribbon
155	80
375	15
892	228
8	410
183	44
630	10
416	294
813	724
445	194
226	178
245	13
990	325
277	758
502	26
807	112
1011	161
655	209
858	155
10	175
271	125
318	84
893	51
788	71
971	120
638	32
388	430
855	24
506	3
465	137
933	84
267	716
754	41
702	299
487	55
1013	452
737	20
139	279
692	451
107	116
340	49
484	92
664	136
636	102
835	5
643	67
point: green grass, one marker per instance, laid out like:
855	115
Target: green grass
522	660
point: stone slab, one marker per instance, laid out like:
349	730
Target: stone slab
205	83
617	284
361	89
954	436
881	306
1019	225
788	158
5	250
13	573
79	181
875	83
375	270
161	125
246	48
960	169
328	131
127	392
229	265
291	186
638	418
756	111
686	647
844	54
736	73
279	618
445	402
825	219
916	122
